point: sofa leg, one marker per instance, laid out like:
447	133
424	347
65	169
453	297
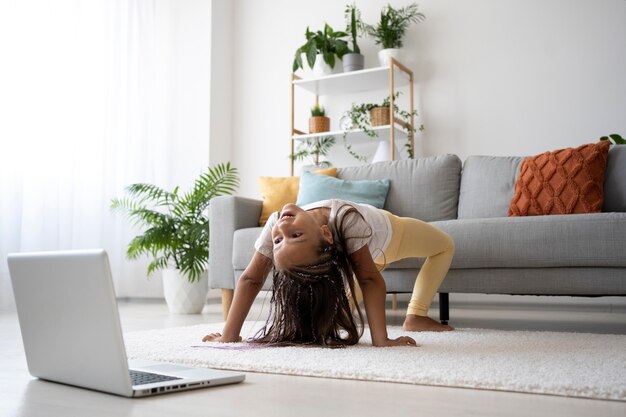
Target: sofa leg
444	307
227	300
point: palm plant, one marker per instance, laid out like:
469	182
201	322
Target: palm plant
312	150
393	24
176	226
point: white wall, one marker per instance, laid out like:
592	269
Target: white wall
190	27
495	77
221	118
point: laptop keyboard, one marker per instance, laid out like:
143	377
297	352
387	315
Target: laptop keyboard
143	378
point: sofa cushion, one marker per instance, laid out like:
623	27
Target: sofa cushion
577	240
580	240
424	188
565	181
315	187
243	246
278	191
487	185
615	180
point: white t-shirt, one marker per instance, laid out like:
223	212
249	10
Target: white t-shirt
374	229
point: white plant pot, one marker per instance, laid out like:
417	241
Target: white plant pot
385	55
322	69
183	297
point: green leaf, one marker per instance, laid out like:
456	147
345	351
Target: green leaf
329	57
311	53
297	60
618	139
328	31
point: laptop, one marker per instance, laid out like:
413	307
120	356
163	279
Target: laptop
71	330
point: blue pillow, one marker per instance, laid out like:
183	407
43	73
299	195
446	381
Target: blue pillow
316	187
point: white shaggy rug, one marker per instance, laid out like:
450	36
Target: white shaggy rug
568	364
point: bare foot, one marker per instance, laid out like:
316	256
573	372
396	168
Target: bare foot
414	323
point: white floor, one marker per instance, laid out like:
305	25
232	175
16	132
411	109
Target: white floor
277	395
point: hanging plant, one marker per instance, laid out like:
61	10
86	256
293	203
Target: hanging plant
360	118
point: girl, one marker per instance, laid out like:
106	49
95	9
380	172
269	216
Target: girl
315	252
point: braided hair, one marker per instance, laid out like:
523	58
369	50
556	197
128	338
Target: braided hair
311	304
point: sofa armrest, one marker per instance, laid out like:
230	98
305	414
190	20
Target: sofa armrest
227	214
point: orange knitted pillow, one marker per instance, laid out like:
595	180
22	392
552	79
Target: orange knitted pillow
566	181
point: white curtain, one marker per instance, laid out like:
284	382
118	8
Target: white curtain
88	98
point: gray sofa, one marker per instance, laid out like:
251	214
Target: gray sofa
580	255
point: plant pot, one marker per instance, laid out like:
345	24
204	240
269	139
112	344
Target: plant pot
379	116
353	62
385	56
322	69
318	124
183	297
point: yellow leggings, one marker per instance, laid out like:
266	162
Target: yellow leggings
414	238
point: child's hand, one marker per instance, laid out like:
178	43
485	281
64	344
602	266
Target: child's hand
401	341
217	337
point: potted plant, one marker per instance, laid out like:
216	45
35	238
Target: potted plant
390	30
353	60
366	115
615	139
176	233
311	150
318	122
321	50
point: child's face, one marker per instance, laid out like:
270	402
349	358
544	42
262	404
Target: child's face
297	236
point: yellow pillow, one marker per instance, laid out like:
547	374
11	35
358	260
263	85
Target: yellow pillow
278	191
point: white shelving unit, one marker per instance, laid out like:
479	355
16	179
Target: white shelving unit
353	136
353	82
392	77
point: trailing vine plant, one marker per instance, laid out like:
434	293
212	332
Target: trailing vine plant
359	117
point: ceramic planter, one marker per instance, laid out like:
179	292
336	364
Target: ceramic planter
353	62
322	69
385	55
183	297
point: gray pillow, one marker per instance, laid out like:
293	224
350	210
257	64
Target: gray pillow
487	186
425	188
